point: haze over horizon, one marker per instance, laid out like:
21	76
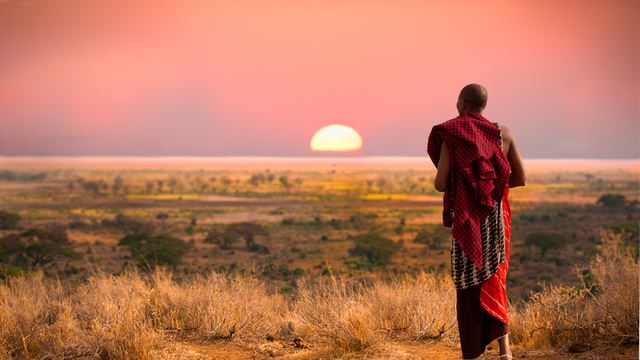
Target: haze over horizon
250	78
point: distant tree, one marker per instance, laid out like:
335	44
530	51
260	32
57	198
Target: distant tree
612	201
36	247
215	236
174	185
226	181
432	236
257	179
284	181
117	185
91	186
21	176
545	241
248	231
376	248
270	177
162	216
8	220
154	250
381	183
363	220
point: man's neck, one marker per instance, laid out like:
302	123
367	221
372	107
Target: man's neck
479	112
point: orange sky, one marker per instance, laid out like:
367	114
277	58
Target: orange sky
259	77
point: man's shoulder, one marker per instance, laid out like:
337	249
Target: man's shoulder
506	132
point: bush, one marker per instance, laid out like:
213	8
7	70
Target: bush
545	241
612	201
377	249
603	311
363	221
248	231
287	221
8	220
432	236
257	248
154	250
36	247
214	236
162	216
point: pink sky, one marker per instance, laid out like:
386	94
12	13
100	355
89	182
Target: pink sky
259	77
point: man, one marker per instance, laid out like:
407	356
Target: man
477	162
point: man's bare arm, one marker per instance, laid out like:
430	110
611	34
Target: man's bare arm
442	175
518	177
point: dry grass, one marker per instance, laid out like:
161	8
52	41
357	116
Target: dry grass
602	313
216	306
132	316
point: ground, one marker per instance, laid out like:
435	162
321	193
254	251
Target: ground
392	350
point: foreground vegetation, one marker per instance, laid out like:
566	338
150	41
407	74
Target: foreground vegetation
150	315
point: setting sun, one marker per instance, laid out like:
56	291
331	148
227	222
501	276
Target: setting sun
339	138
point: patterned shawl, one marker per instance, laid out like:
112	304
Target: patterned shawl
478	175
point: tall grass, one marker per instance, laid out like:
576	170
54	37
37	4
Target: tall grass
137	316
603	312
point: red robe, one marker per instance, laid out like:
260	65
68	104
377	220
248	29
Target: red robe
493	292
479	174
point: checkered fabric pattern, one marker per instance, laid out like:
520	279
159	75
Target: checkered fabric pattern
477	178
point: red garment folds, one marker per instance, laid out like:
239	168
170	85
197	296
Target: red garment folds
479	174
493	292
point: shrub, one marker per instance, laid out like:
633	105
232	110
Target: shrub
257	248
432	236
603	311
162	216
377	249
612	201
363	221
36	247
8	220
248	231
214	236
153	250
545	241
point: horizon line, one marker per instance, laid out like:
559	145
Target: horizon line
281	157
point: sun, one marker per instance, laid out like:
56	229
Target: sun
336	138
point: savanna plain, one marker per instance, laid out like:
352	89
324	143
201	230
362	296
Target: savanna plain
300	258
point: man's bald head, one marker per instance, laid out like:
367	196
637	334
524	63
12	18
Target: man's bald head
473	97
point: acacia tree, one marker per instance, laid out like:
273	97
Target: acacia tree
545	241
247	230
36	247
153	250
375	248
